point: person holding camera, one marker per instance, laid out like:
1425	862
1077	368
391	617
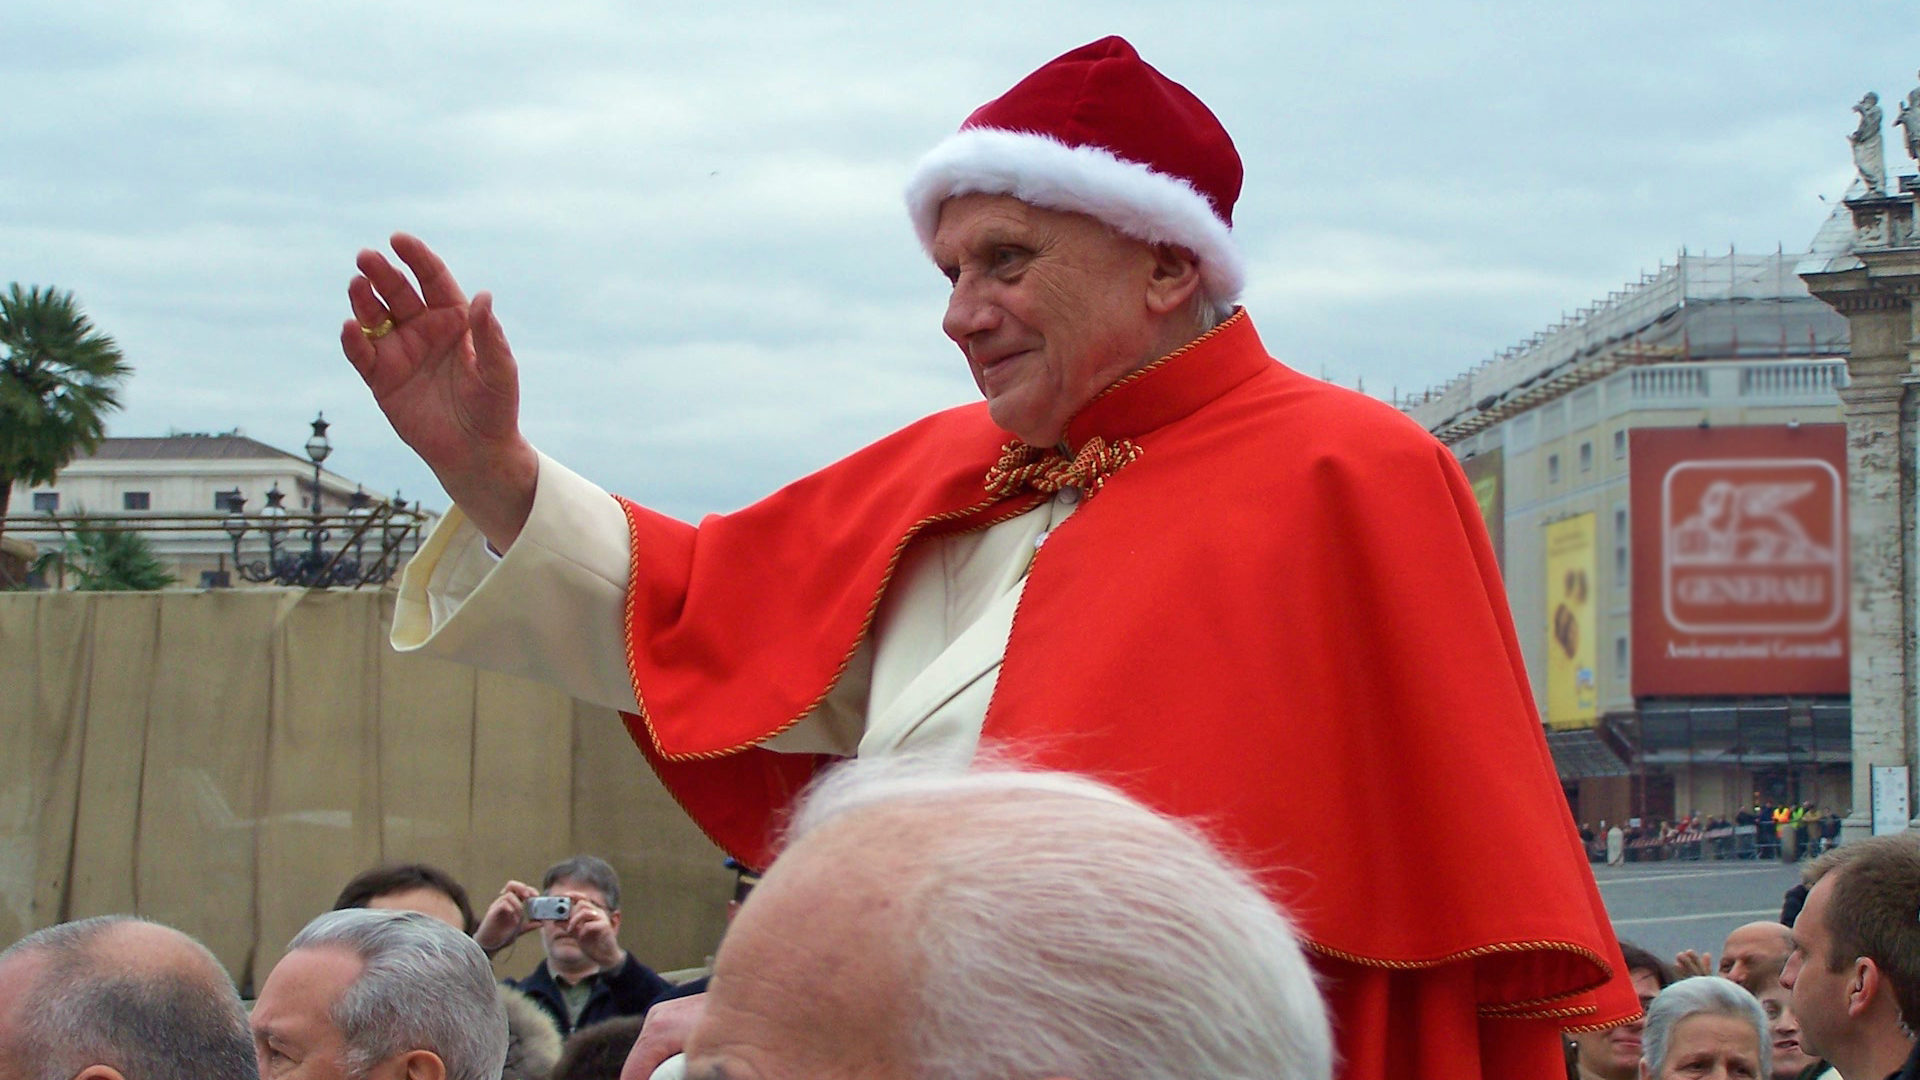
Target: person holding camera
586	976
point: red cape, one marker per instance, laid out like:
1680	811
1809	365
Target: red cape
1283	620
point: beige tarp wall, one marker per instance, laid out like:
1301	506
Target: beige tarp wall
223	761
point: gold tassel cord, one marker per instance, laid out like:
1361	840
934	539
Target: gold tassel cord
1022	467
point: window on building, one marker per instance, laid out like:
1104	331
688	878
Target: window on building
136	500
1586	457
227	502
46	502
1620	444
1620	563
1553	468
1620	658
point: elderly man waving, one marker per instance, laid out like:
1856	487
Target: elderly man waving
1154	555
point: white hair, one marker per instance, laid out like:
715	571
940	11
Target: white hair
1208	312
425	986
1064	929
1708	995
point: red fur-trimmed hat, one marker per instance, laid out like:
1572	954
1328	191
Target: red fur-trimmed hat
1099	132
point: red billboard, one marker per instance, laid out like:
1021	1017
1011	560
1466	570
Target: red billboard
1740	564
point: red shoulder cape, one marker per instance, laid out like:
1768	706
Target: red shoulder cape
1283	620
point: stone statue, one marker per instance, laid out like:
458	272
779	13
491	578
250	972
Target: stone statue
1868	157
1910	119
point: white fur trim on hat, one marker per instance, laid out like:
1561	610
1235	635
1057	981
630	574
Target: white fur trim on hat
1043	171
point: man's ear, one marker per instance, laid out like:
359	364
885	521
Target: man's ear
1175	278
422	1065
99	1072
1864	987
613	920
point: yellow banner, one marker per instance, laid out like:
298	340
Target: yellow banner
1573	697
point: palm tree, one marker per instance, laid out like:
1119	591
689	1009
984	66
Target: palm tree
108	560
59	377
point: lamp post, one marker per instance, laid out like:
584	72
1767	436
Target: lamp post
318	448
390	523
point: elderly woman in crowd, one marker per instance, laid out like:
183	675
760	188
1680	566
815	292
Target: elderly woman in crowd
1705	1027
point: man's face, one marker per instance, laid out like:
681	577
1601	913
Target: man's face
1819	994
562	947
1754	955
1615	1052
807	984
1049	308
294	1036
1789	1060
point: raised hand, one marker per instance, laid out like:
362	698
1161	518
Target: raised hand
1690	962
506	918
594	929
440	368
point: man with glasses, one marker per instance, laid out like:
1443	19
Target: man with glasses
586	976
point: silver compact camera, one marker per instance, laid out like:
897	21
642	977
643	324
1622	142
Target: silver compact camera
549	908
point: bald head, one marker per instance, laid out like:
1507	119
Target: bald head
1001	923
1754	955
141	998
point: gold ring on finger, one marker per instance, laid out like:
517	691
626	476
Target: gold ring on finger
375	333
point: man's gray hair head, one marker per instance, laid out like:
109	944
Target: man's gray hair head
586	870
95	1003
425	986
1702	995
1064	929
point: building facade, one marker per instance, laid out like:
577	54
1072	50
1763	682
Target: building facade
1614	456
1865	262
182	491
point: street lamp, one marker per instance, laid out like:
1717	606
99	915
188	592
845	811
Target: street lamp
318	448
388	522
359	511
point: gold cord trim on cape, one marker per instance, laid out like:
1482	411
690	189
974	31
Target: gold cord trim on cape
1582	1029
1506	1011
1022	467
1542	1014
1137	374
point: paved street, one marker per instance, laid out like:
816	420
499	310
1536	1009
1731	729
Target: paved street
1668	906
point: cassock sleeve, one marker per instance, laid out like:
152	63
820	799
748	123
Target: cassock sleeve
550	609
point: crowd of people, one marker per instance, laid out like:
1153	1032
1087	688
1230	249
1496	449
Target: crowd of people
1822	994
920	922
1786	831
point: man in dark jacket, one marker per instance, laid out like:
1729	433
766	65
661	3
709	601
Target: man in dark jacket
587	977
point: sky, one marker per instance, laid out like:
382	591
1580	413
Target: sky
690	214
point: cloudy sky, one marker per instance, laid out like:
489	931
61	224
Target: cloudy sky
690	213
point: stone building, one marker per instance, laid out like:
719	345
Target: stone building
1600	450
184	488
1866	264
